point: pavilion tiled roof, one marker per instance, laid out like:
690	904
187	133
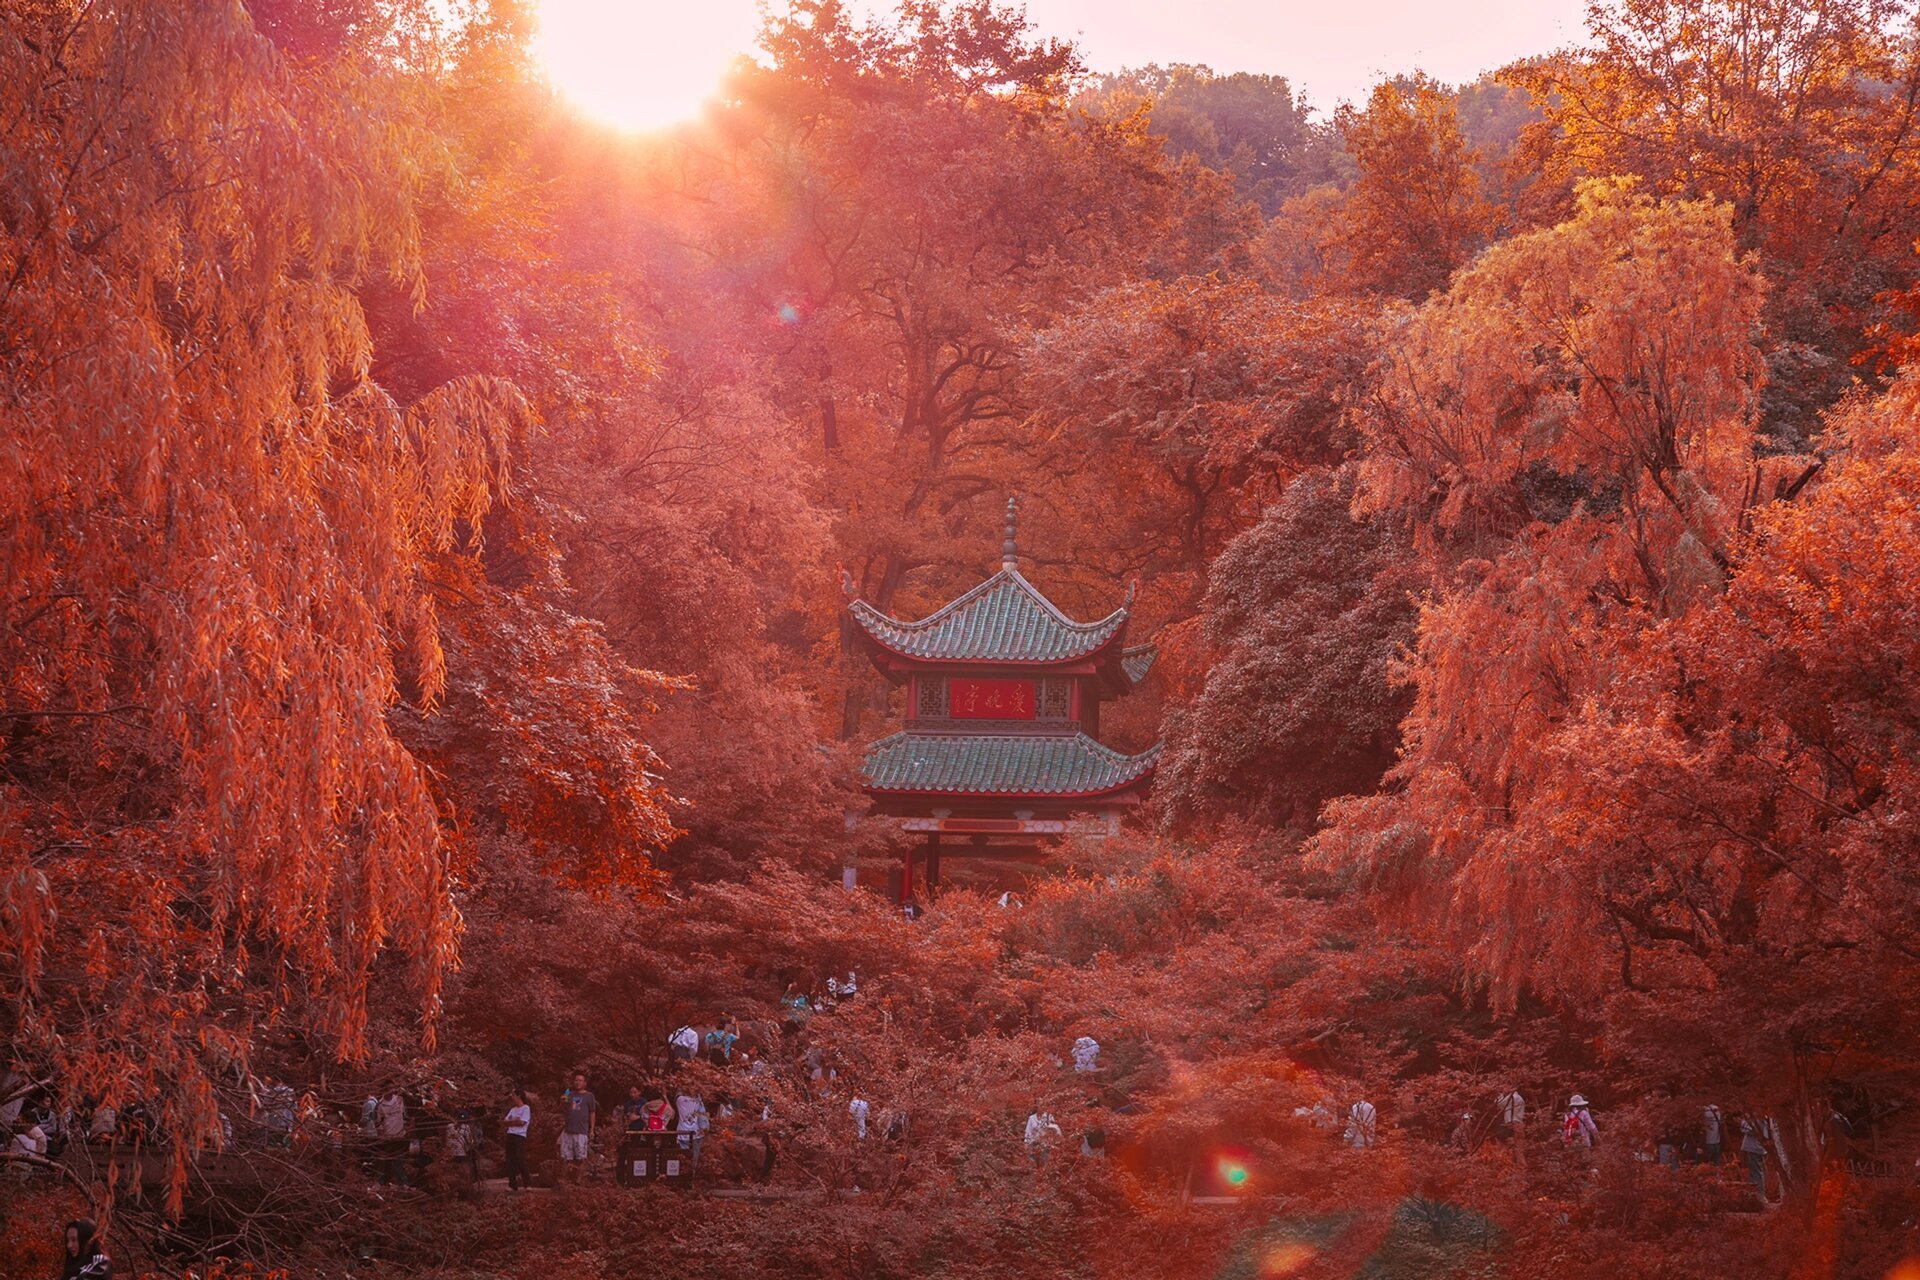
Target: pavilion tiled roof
1136	660
1001	764
1004	619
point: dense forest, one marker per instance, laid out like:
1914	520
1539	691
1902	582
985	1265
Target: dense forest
423	669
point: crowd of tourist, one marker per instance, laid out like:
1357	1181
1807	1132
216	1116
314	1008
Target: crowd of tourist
399	1135
1760	1146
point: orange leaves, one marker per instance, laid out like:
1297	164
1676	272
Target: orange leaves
1615	348
1800	120
26	918
215	532
1415	214
1198	399
1569	427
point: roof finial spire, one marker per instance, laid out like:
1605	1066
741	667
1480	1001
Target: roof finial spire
1009	552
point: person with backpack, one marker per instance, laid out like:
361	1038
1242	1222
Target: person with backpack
1578	1129
795	1008
692	1122
1086	1054
633	1111
719	1042
1462	1137
656	1113
1512	1107
683	1044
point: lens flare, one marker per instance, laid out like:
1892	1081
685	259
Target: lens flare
1285	1259
641	64
1233	1168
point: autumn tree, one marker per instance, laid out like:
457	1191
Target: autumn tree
936	197
1415	212
1205	393
1799	117
666	484
1255	127
1575	454
1737	790
1305	615
227	549
1556	380
1577	676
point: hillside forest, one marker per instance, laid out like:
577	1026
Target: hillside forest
425	669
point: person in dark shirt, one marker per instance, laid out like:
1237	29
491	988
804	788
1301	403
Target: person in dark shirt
719	1042
633	1110
86	1260
578	1111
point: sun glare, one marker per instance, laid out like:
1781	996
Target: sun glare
641	64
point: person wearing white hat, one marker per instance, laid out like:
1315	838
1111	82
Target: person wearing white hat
1579	1128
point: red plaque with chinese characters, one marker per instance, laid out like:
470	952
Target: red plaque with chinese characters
990	699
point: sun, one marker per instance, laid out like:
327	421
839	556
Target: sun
641	64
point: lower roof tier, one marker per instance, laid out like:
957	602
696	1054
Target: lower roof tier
1058	766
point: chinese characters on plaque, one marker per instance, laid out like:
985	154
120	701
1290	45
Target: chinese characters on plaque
990	699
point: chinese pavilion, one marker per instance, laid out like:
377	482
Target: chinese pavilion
999	754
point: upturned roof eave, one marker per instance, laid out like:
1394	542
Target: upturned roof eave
1098	653
1138	782
1122	772
873	623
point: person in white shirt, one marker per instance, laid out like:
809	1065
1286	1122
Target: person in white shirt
1086	1054
694	1123
858	1109
519	1119
683	1044
1040	1127
1361	1119
30	1141
1511	1108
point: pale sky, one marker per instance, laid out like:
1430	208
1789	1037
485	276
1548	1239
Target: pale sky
650	62
1330	49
